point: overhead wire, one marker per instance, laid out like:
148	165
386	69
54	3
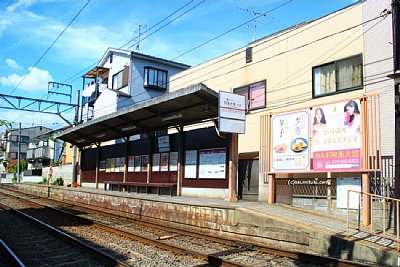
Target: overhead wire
48	49
78	75
94	64
287	51
296	48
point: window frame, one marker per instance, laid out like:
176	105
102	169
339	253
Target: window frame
124	78
338	90
154	85
248	100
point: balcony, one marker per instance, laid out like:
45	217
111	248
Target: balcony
39	153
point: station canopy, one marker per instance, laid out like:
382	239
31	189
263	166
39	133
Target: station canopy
185	106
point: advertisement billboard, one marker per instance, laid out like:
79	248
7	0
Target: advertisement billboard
336	136
290	141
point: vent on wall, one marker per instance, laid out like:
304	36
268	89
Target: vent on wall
249	54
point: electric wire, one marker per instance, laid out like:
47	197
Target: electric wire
52	44
287	51
94	64
78	75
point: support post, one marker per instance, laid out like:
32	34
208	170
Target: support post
127	151
19	155
233	160
97	165
366	206
150	152
271	188
329	191
181	160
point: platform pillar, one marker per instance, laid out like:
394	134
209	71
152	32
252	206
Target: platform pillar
271	188
181	160
366	204
126	159
97	165
233	160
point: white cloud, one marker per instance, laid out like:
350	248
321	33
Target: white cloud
4	23
37	80
13	64
23	4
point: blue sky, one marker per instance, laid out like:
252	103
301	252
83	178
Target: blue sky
29	27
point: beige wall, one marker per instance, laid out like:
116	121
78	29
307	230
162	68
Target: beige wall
68	154
285	61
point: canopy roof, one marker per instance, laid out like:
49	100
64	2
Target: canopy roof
182	107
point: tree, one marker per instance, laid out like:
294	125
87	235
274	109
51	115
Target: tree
5	123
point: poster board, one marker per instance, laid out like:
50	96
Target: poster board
156	162
342	186
337	141
138	163
145	161
163	143
173	161
108	165
164	161
190	164
112	169
212	163
131	163
291	141
102	166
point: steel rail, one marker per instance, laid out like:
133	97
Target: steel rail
60	234
238	245
9	256
211	259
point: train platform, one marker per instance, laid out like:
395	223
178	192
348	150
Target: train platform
277	225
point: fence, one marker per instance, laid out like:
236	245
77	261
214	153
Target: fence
384	216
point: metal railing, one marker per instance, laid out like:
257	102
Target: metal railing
381	224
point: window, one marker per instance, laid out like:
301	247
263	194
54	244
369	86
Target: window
338	76
254	93
155	78
249	54
120	79
24	139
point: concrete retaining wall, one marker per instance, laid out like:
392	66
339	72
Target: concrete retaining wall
240	223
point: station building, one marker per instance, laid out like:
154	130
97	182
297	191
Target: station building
334	67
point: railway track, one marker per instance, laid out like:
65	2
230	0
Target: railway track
8	257
211	250
35	243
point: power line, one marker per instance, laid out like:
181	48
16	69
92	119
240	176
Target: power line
48	49
78	75
299	46
94	64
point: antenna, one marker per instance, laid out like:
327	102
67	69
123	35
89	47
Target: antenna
140	33
255	14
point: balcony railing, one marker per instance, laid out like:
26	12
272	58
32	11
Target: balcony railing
39	153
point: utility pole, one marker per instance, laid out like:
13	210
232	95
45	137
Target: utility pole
19	154
395	76
140	34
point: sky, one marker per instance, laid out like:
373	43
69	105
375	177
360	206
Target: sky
60	40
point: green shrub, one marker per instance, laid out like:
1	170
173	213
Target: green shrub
59	181
44	181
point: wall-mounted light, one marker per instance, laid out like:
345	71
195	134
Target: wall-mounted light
128	128
171	117
101	135
395	76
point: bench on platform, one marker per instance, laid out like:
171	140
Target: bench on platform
126	186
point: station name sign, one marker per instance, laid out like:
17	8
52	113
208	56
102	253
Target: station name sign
231	113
